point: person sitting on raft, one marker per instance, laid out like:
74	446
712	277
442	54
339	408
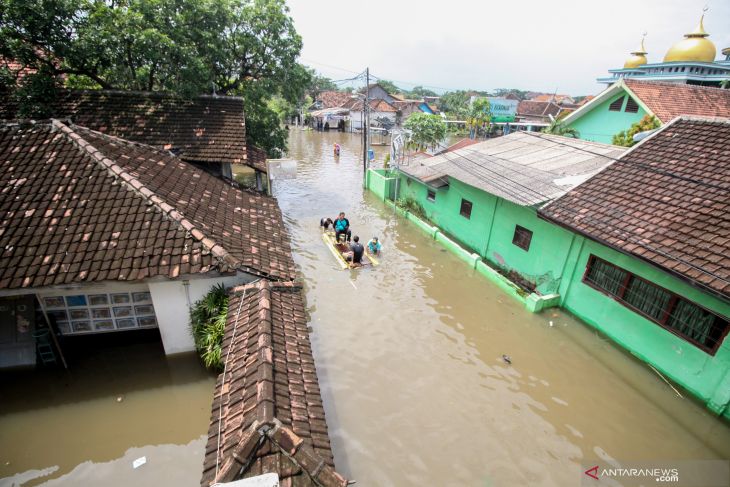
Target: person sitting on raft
374	246
342	227
355	253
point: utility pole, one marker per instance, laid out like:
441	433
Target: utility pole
365	128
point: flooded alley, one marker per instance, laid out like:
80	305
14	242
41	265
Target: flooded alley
409	359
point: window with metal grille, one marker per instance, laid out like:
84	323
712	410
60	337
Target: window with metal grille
684	318
631	106
431	196
616	105
522	237
465	209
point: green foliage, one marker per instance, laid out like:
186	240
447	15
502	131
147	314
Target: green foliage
389	86
626	138
725	84
427	131
319	83
558	127
208	318
478	117
502	92
188	47
419	92
412	206
455	104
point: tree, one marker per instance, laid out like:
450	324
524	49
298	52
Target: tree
455	104
188	47
389	86
427	131
419	92
479	116
625	138
725	84
558	127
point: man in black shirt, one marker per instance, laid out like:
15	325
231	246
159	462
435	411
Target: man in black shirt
355	253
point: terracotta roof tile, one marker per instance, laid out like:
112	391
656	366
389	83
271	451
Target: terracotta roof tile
333	99
267	414
670	100
666	201
529	108
123	211
206	129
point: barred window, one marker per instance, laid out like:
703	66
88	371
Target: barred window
522	237
631	106
616	105
684	318
465	209
431	195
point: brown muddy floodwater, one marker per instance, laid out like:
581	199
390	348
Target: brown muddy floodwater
409	359
408	356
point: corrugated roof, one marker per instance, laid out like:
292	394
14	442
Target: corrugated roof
666	201
526	169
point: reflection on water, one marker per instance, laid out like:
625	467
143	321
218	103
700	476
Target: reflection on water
409	359
85	427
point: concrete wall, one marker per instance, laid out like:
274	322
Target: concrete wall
600	124
706	376
380	182
356	117
173	307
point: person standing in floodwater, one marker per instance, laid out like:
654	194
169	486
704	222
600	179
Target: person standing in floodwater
337	149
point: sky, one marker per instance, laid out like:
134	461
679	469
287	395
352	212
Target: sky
542	45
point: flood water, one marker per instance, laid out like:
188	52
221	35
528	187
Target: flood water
116	404
409	359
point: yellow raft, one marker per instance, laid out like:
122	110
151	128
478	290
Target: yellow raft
336	248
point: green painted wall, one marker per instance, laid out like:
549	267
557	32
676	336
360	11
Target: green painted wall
600	124
704	375
556	261
491	229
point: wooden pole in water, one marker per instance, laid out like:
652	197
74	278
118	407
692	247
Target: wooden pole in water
366	128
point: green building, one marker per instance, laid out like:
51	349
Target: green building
628	100
630	247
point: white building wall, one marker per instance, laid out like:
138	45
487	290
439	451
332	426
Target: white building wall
173	303
356	117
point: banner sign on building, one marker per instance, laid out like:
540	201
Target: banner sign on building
503	109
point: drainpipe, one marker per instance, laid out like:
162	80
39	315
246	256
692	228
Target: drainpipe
186	285
491	226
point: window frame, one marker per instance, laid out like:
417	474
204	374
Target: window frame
523	231
461	208
430	192
622	98
666	313
633	105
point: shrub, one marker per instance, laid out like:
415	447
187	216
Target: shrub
208	318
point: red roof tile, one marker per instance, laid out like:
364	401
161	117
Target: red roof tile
333	99
529	108
78	206
267	414
670	100
665	201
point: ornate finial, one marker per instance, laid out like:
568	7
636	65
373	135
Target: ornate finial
700	30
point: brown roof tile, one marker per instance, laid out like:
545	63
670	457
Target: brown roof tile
267	414
666	201
206	129
529	108
670	100
333	99
123	211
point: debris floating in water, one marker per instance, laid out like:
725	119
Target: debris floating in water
506	359
120	399
139	462
551	323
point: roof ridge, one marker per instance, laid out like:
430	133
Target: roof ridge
675	85
151	94
143	191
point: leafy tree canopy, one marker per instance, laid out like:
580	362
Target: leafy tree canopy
455	104
188	47
389	86
419	92
427	131
478	116
558	127
625	138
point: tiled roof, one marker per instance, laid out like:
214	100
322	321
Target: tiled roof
207	129
548	97
670	100
79	206
267	414
529	108
333	99
523	168
256	158
377	105
666	201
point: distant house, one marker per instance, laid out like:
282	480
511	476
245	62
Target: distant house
628	101
208	131
537	114
111	235
406	108
559	99
650	264
377	92
378	109
267	415
331	99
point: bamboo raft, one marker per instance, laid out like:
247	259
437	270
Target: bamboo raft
337	248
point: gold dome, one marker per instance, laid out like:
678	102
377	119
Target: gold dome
694	47
638	57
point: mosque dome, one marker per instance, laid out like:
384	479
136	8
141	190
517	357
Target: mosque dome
694	47
638	57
